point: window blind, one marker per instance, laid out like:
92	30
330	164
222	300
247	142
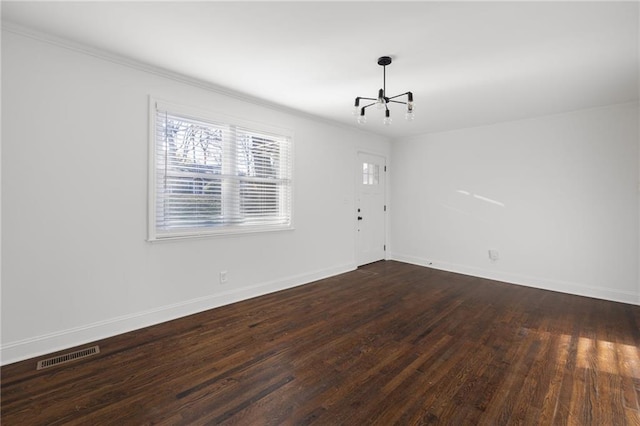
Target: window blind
218	177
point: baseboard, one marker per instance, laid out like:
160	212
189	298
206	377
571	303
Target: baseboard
528	281
53	342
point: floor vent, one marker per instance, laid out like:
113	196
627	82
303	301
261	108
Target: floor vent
71	356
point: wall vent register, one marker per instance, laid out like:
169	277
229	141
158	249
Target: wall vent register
68	357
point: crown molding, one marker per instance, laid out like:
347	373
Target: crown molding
129	62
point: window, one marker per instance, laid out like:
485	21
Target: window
370	174
214	176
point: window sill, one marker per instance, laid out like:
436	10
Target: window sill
229	232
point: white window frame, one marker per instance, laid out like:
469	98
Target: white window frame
156	104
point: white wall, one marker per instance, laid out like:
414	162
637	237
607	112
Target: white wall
76	266
75	263
556	196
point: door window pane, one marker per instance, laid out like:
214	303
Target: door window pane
370	174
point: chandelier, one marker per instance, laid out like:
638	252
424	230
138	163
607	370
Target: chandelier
382	101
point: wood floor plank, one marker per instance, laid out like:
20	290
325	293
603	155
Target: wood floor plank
552	409
389	343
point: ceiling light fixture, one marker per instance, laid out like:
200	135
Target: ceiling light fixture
382	100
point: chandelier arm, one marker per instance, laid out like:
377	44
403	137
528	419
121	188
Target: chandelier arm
397	96
397	102
369	99
371	104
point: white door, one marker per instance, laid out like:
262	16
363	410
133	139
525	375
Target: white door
370	208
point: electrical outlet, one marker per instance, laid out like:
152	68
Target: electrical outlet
223	277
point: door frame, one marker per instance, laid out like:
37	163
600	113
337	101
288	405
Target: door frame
357	179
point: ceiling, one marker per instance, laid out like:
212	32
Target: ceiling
468	64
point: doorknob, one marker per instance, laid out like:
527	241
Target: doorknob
359	217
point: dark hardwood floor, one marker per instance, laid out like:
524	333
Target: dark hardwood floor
390	343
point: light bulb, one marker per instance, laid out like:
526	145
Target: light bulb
361	117
409	115
356	110
380	101
387	118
